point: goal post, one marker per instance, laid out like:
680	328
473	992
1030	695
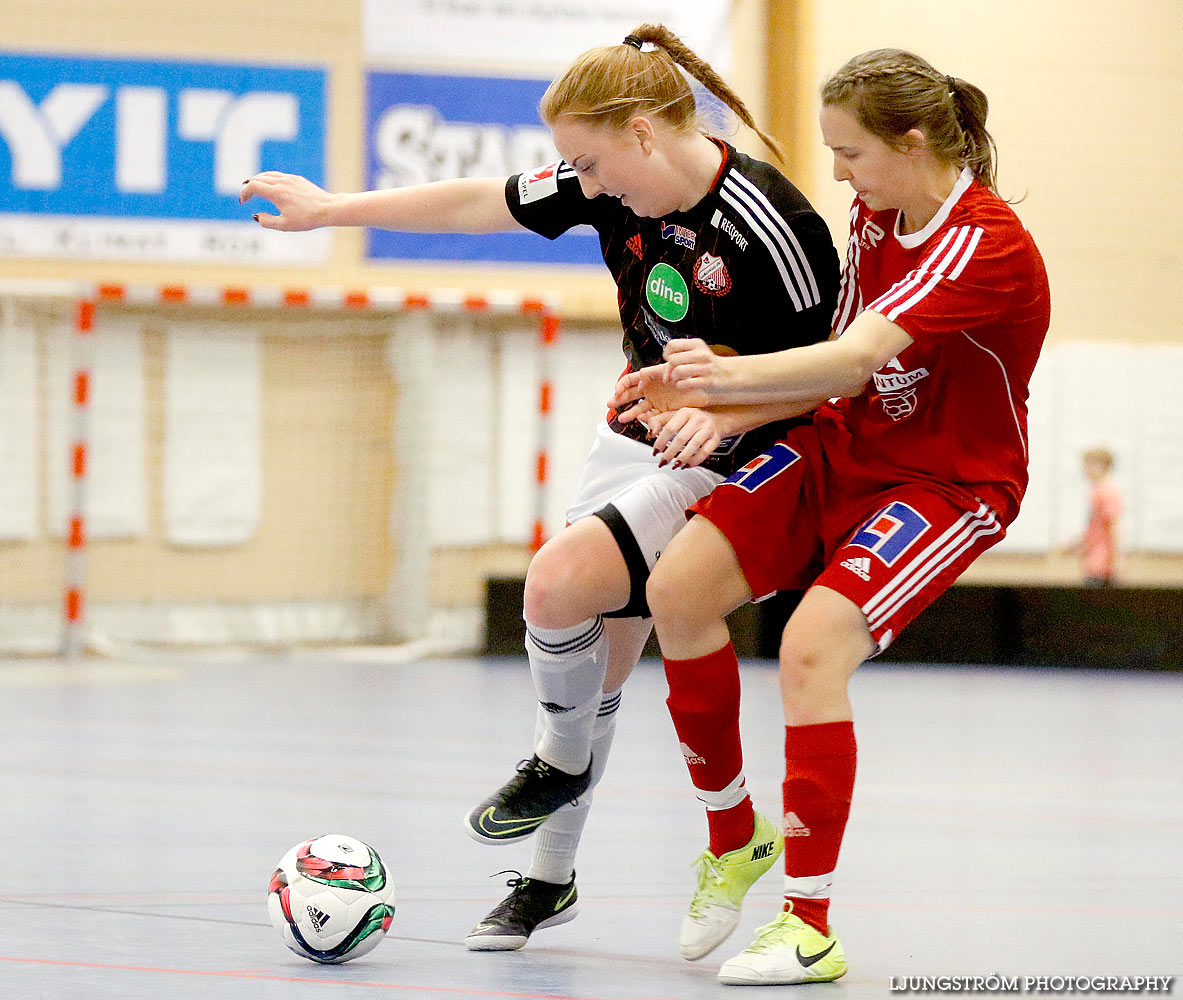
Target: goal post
200	466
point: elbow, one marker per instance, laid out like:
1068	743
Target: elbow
851	387
854	372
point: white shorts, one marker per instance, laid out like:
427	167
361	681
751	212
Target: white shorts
652	501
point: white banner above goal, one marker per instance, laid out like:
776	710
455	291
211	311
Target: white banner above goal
536	34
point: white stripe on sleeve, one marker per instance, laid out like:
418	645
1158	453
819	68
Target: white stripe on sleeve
776	235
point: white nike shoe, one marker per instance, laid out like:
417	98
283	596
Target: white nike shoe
786	951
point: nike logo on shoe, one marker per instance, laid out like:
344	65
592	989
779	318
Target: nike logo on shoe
807	960
762	851
491	826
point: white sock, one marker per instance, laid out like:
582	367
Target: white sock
568	666
557	839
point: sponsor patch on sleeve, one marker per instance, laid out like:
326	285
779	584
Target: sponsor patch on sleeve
539	183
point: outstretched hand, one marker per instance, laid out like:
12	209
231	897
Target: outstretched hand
301	203
671	400
647	392
684	380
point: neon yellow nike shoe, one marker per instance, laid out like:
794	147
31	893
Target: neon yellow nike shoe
722	884
786	951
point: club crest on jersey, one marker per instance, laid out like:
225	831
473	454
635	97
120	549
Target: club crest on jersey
897	389
682	236
710	275
871	235
891	532
539	183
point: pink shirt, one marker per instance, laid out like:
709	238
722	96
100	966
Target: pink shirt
1098	546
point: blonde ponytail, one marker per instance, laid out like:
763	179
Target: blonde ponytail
612	84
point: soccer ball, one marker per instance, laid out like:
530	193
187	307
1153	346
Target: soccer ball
331	899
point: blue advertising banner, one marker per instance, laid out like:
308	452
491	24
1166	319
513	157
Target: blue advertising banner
132	157
422	128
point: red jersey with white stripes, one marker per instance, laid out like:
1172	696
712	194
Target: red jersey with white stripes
971	291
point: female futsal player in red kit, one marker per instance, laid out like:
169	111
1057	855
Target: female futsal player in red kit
882	501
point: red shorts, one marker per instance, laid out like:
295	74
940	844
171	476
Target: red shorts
803	514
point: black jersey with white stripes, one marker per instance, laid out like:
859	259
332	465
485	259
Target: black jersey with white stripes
751	267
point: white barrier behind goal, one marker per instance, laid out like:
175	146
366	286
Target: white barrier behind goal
265	467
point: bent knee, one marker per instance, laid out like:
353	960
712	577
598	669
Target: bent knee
802	663
816	668
550	587
665	593
578	574
697	577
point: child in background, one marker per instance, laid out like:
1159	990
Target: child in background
1098	544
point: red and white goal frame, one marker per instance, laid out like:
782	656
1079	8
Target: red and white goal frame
87	304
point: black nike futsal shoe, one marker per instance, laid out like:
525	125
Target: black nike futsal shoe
521	806
531	905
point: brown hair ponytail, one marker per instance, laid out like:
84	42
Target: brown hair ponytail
891	92
612	84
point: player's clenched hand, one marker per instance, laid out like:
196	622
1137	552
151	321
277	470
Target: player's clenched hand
302	205
685	437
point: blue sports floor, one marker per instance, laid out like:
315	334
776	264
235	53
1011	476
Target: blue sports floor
1010	822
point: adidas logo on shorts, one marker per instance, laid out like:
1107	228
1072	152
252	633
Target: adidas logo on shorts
859	566
691	756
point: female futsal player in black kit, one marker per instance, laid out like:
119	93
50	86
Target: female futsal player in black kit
702	241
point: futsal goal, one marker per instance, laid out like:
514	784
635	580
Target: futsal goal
262	467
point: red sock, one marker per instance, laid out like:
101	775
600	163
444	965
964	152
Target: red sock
819	781
704	704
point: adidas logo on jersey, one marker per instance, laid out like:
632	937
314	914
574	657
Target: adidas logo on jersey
794	827
859	566
691	756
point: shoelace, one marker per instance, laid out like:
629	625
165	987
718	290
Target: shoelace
513	883
773	934
520	781
708	871
525	769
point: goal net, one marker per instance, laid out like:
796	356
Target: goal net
222	467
